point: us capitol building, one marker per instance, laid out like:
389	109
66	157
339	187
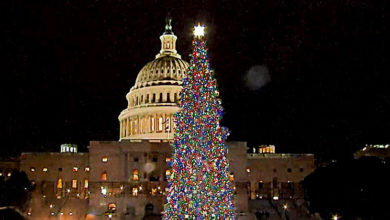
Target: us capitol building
126	179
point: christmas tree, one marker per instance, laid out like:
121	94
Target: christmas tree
199	185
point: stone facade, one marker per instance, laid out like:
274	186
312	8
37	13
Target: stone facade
61	184
122	178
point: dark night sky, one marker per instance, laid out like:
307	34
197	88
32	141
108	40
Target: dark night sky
67	66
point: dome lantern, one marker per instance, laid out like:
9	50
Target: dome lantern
168	42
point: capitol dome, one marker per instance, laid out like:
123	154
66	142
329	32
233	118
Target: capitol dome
166	70
152	101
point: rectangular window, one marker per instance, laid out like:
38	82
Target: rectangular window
168	97
168	124
86	183
74	184
167	173
135	191
147	98
141	124
104	176
59	183
135	175
152	122
160	123
231	176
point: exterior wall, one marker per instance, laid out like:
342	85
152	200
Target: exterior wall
123	158
145	104
150	159
370	151
237	166
278	175
6	167
45	169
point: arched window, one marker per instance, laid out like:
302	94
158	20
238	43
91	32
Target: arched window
135	175
104	176
59	183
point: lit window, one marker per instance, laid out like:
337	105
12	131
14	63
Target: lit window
103	190
74	184
168	124
86	169
104	159
32	169
248	170
75	169
160	123
1	174
135	191
86	183
152	122
167	173
111	206
231	176
135	175
8	174
44	169
104	176
141	125
59	183
167	159
154	191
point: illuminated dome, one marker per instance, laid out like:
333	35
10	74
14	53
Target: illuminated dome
165	70
152	101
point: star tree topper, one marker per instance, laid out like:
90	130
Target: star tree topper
199	31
